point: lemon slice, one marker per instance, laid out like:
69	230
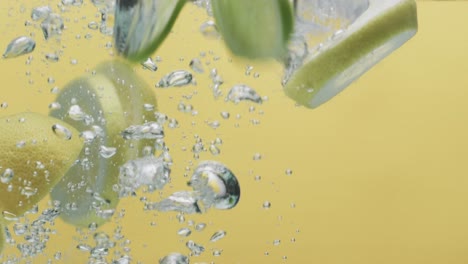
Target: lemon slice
37	150
142	25
107	107
382	28
255	28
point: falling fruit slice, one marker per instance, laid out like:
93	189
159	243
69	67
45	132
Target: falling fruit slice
91	104
381	29
142	25
100	107
37	151
255	28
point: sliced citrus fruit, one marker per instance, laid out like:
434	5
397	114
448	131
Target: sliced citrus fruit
107	107
142	25
37	150
378	31
255	28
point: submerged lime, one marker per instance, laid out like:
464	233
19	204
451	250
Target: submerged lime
142	25
109	101
382	28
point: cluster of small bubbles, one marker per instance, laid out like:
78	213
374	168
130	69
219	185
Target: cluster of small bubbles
149	130
255	122
248	69
195	249
174	258
52	26
185	108
40	12
149	171
180	217
242	92
173	123
35	233
217	81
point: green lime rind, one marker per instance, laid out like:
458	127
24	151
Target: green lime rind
255	29
362	45
141	26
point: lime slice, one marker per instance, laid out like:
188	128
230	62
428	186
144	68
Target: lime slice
382	28
255	28
37	150
107	107
91	104
142	25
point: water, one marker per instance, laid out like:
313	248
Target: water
378	173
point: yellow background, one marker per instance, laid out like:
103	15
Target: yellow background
380	172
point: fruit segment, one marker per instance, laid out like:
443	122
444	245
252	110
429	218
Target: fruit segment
350	52
100	106
37	150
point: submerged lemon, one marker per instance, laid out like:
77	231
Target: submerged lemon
255	28
100	106
37	150
382	28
